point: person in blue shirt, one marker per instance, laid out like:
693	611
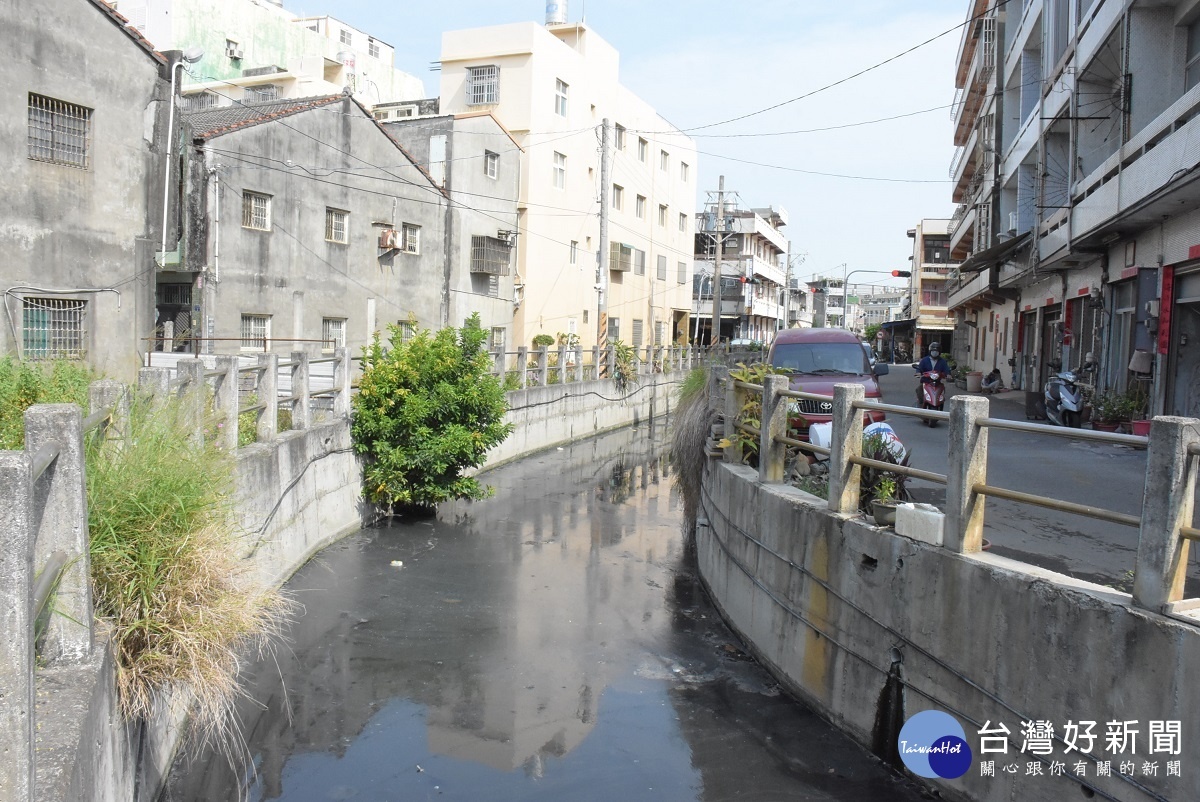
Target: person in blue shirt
930	362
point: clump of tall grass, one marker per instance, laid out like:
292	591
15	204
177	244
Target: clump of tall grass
23	384
167	571
694	418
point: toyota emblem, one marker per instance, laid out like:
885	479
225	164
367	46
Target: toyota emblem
827	406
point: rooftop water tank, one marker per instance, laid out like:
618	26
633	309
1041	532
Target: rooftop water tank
556	13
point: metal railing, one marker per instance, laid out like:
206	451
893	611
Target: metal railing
1165	525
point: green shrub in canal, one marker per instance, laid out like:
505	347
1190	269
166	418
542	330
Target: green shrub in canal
23	384
426	410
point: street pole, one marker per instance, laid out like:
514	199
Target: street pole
715	335
602	256
845	297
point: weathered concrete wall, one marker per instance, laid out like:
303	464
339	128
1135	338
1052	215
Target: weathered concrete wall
824	601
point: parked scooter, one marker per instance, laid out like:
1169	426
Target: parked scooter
933	391
1063	400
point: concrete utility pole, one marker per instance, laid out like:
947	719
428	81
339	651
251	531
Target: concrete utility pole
602	256
715	336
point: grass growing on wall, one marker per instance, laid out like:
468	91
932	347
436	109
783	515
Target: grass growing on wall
23	384
167	570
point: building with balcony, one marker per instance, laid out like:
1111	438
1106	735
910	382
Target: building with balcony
928	302
255	50
828	301
553	86
753	270
1095	216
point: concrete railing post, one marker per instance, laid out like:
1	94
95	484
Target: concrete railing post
562	365
114	396
733	406
301	392
341	382
16	626
61	495
968	444
192	393
597	370
578	351
610	361
1162	555
226	402
498	364
155	383
649	366
268	395
772	454
543	366
523	366
846	442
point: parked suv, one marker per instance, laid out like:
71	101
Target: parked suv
817	359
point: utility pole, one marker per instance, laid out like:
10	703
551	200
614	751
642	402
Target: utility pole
602	256
715	336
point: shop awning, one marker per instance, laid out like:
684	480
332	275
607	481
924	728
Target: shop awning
989	256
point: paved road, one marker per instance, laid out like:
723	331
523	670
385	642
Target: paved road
1107	476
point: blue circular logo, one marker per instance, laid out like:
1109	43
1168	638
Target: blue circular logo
933	744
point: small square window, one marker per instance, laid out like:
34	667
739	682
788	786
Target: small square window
345	37
256	211
333	333
411	236
640	207
643	148
491	164
59	132
560	98
372	48
336	226
53	328
618	196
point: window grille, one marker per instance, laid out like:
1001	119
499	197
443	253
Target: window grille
489	255
637	334
411	238
256	331
498	338
201	101
256	211
407	330
59	132
491	164
335	225
173	294
483	85
662	268
333	333
53	328
620	257
262	93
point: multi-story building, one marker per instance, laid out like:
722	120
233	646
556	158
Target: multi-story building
931	271
83	188
753	271
255	50
552	87
1097	193
829	301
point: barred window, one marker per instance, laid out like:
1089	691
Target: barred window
483	85
498	338
333	333
256	211
408	330
411	236
335	226
683	273
201	101
54	328
662	268
59	132
261	93
637	334
256	331
489	255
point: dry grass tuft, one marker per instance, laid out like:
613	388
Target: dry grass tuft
694	418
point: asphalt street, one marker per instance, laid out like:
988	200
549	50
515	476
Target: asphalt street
1107	476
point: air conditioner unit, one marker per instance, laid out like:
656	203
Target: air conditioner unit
389	239
233	50
1012	223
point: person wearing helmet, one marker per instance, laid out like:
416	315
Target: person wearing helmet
931	362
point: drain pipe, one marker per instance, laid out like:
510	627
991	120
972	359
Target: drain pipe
189	56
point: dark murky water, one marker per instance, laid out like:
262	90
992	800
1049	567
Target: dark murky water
550	643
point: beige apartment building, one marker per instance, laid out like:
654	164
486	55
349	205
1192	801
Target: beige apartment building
552	86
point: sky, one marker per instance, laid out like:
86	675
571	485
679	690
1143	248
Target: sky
702	62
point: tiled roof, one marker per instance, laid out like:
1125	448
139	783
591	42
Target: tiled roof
132	32
215	122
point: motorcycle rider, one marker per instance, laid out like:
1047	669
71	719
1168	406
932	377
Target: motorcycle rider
931	362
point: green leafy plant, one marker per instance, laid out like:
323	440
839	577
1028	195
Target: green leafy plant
751	410
625	374
542	341
427	409
877	483
23	384
1106	407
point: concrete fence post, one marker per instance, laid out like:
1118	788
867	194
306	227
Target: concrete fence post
578	351
268	395
772	454
498	364
16	626
114	396
1162	555
226	402
733	405
968	444
597	371
543	366
155	383
61	495
342	372
301	392
523	366
610	361
562	365
846	442
649	366
192	393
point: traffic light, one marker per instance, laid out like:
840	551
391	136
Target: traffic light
749	279
817	290
901	273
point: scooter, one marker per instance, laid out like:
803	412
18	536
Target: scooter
933	392
1063	400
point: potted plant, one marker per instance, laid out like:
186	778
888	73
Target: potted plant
881	490
1136	402
1106	410
883	505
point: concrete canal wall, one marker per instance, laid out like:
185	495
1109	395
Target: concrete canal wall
832	603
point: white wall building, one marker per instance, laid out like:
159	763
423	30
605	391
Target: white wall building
551	87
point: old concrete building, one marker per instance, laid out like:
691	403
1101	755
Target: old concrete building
307	226
478	163
552	86
83	124
928	308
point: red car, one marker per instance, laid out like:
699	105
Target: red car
817	359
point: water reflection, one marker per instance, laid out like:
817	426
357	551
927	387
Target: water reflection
548	643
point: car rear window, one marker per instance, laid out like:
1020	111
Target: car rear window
831	358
